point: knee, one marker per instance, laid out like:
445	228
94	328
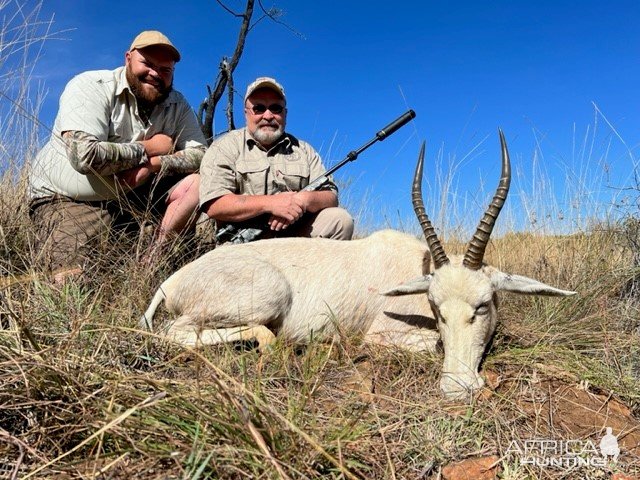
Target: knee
344	224
187	189
192	185
337	222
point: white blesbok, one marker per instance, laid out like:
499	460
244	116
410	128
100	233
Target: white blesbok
300	288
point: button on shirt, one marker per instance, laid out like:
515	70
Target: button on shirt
236	163
101	103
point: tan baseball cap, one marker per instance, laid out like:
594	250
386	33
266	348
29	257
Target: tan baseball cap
154	37
265	82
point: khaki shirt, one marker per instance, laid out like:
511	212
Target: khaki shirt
101	103
236	163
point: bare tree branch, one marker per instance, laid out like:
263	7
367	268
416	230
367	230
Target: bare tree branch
274	14
227	66
228	9
229	110
221	83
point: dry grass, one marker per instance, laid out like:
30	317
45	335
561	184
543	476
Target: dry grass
85	394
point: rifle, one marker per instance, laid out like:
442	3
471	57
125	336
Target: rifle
231	233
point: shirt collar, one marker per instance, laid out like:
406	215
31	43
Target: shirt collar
121	81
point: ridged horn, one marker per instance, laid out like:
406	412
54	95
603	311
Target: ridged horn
475	252
435	247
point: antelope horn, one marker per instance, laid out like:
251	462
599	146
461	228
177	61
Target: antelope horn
475	252
435	247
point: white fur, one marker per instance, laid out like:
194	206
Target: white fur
302	288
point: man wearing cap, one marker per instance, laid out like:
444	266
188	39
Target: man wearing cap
123	142
253	176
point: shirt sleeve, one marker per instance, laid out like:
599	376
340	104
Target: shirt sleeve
85	106
88	155
83	120
217	171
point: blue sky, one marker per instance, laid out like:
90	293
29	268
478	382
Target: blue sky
560	78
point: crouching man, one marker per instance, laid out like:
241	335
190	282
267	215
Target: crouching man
253	176
123	142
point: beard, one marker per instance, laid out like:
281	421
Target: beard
267	136
146	94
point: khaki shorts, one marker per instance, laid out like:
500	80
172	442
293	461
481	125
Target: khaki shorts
70	233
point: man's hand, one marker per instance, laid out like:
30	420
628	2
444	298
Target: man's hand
278	223
286	208
159	144
135	176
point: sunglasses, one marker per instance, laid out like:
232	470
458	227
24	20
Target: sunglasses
274	108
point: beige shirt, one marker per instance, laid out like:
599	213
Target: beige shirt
100	103
236	163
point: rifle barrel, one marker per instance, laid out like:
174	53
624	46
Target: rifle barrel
401	121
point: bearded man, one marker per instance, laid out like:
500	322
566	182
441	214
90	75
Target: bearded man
124	143
254	176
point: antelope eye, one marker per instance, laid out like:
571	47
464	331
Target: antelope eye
482	309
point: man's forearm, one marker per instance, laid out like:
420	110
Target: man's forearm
235	208
239	208
184	161
88	155
317	200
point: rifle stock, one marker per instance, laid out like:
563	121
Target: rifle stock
231	233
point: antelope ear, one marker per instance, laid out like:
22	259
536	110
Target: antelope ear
412	287
518	284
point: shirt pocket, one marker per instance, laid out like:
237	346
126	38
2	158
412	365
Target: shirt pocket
291	177
252	177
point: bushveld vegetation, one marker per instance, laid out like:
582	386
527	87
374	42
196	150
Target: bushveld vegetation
85	394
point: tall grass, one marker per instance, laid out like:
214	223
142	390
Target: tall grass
84	394
23	34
